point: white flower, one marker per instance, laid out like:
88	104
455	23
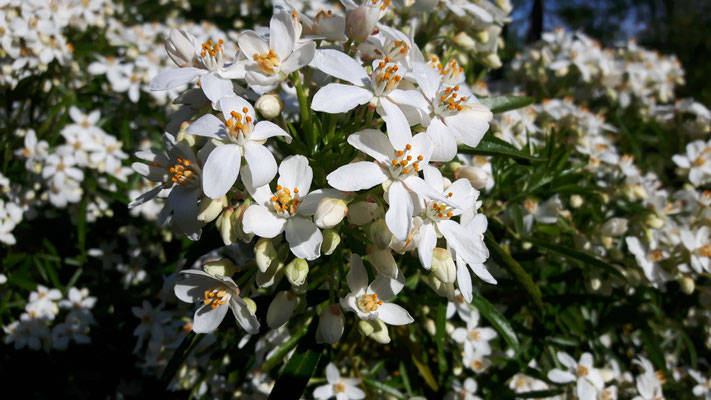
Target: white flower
217	293
269	62
180	172
340	388
34	151
697	161
589	381
240	134
208	63
288	209
398	168
463	391
699	245
368	301
704	386
378	88
60	168
448	115
649	383
474	337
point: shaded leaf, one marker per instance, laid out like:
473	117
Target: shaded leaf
505	103
497	320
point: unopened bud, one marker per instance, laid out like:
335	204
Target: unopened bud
331	240
687	285
375	329
443	265
464	41
430	326
222	267
330	325
441	288
224	225
281	309
614	227
330	212
270	105
482	36
209	209
491	60
380	234
184	136
251	305
264	253
362	212
576	201
654	222
383	261
476	176
297	271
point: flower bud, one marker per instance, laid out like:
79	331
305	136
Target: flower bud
250	304
654	222
209	209
375	329
281	309
270	105
430	326
482	36
330	325
361	21
184	136
362	212
224	225
380	234
476	176
264	253
491	60
614	227
687	285
443	265
441	288
607	374
383	261
271	276
222	267
331	240
180	48
464	41
296	271
576	201
330	212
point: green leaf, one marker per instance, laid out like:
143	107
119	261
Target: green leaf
490	145
296	374
539	394
181	353
577	255
384	388
497	320
505	103
439	339
285	348
516	271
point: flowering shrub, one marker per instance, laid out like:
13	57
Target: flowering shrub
328	200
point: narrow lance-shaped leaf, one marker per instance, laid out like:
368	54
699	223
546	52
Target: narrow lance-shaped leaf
497	320
490	145
505	103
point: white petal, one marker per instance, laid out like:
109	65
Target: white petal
216	88
259	220
398	128
428	241
471	124
419	186
428	79
560	376
266	129
336	98
483	274
299	58
398	218
149	195
221	170
172	78
324	392
464	280
295	172
373	143
245	318
262	166
192	287
309	203
304	238
341	66
261	194
356	176
413	98
208	126
332	375
433	178
235	103
207	319
281	34
444	143
567	360
250	44
182	201
387	288
393	314
357	277
585	390
463	242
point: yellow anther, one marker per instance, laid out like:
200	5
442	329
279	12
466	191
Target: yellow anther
405	171
403	163
278	187
409	158
420	158
408	147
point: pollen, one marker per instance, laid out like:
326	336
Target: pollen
369	302
284	202
239	125
267	62
183	173
212	49
216	297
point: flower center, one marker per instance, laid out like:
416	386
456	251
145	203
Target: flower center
239	127
384	4
385	78
582	370
437	211
450	102
530	205
705	250
216	297
369	302
396	49
475	335
699	161
323	14
183	172
213	55
285	202
339	387
656	255
660	377
267	62
404	162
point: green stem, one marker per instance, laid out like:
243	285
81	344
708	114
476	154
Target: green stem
304	108
369	117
